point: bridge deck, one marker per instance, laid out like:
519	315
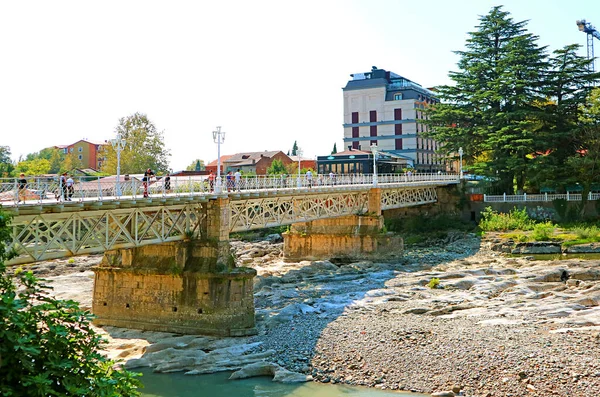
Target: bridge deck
46	230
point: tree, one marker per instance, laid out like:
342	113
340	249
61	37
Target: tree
569	83
144	147
196	165
276	168
47	346
56	158
36	166
6	164
491	110
295	149
584	167
334	151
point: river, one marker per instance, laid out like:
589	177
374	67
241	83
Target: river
217	385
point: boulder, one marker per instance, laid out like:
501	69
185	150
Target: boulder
263	368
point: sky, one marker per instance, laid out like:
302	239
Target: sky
268	72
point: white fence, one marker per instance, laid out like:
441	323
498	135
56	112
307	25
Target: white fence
48	190
522	198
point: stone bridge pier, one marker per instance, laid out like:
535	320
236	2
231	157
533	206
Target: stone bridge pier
189	287
345	238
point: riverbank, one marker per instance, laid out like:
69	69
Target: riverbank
497	326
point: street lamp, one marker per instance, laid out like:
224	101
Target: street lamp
299	153
118	144
460	153
219	138
374	151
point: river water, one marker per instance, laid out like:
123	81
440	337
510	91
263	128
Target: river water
217	385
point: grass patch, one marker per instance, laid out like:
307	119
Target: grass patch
516	219
434	283
543	231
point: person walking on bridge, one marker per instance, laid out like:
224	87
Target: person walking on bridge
22	186
146	180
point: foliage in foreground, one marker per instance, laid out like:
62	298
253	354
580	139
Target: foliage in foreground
47	346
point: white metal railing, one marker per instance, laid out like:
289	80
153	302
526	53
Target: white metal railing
521	198
38	190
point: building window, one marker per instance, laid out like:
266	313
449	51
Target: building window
80	149
354	117
397	114
397	97
65	150
373	116
70	150
80	157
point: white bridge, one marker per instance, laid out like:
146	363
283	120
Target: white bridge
45	229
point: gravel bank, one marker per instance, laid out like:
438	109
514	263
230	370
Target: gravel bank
497	326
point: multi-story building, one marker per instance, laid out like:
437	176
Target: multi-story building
91	154
253	162
383	108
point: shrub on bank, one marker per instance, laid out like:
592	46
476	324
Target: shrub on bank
47	346
516	219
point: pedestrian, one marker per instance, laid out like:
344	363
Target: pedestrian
63	186
211	181
309	178
331	178
70	188
229	179
146	180
238	180
22	185
168	183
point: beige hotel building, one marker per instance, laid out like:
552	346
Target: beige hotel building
382	108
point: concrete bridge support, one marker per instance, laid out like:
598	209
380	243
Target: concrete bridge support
346	238
189	287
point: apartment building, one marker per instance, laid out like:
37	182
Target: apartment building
383	108
91	154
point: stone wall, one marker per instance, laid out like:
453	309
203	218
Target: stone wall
350	237
184	287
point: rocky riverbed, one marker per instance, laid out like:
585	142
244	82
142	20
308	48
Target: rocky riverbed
495	326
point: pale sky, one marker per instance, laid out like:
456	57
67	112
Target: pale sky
269	72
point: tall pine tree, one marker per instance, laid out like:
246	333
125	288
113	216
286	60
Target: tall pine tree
492	109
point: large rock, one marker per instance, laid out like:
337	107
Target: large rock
537	247
263	368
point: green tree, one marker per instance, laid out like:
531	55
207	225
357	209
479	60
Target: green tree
36	166
584	167
569	82
55	156
144	147
492	109
196	165
276	168
334	151
6	164
295	149
47	346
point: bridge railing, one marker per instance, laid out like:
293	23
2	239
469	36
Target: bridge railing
39	190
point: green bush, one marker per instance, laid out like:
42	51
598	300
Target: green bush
47	346
516	219
434	283
591	233
543	231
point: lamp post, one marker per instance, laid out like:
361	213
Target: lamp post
374	151
460	153
299	153
219	138
118	144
